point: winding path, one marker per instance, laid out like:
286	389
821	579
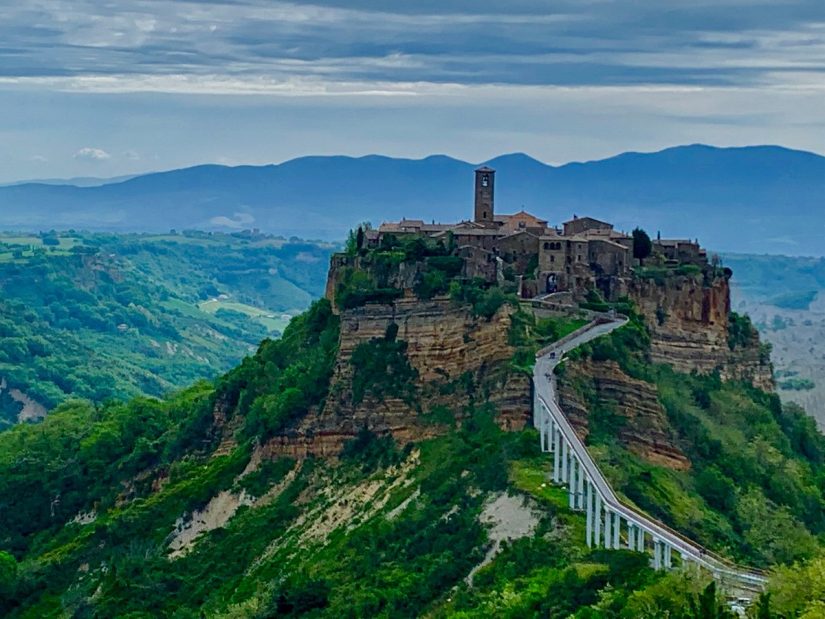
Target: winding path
610	523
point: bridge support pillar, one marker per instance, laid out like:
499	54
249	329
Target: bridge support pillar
565	457
657	554
588	518
556	454
617	525
640	540
608	536
543	423
580	487
631	535
597	517
668	558
541	430
571	483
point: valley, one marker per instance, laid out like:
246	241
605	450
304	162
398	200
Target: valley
785	297
107	316
378	459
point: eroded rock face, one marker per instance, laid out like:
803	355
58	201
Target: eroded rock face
688	321
460	359
456	355
644	427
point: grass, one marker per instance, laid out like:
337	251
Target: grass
66	242
533	477
272	321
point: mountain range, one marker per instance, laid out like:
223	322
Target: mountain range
757	199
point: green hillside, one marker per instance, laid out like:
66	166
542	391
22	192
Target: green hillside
100	316
102	505
755	489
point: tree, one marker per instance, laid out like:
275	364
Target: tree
763	607
798	590
642	245
708	605
359	238
8	576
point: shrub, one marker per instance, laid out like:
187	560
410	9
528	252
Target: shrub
449	265
357	288
717	489
689	270
381	368
740	330
371	451
485	301
431	284
797	384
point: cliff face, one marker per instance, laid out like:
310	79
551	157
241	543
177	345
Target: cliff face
447	359
688	321
458	358
641	426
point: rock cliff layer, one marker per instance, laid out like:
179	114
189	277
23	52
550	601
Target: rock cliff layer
642	426
458	359
688	318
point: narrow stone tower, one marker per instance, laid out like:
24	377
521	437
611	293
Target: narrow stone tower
485	182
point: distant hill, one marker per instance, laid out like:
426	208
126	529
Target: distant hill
99	316
760	199
77	181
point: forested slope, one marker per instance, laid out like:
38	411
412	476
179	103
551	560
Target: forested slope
102	506
114	316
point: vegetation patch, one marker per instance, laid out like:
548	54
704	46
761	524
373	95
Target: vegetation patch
381	369
106	316
796	384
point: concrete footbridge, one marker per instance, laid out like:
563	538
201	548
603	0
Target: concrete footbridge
610	523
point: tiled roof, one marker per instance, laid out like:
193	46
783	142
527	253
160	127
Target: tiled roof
598	221
609	242
470	232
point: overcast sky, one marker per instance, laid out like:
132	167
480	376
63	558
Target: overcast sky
91	88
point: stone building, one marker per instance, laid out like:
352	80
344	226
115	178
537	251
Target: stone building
577	225
521	222
681	251
583	254
484	196
519	249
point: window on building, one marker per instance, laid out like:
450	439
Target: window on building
552	258
547	246
485	180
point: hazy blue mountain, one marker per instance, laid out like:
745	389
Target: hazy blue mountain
77	181
761	199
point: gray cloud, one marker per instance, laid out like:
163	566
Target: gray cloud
560	79
567	43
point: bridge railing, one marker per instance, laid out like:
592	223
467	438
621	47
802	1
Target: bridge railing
724	564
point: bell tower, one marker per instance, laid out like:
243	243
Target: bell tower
485	182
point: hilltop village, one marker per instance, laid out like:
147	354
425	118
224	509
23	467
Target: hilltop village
580	255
